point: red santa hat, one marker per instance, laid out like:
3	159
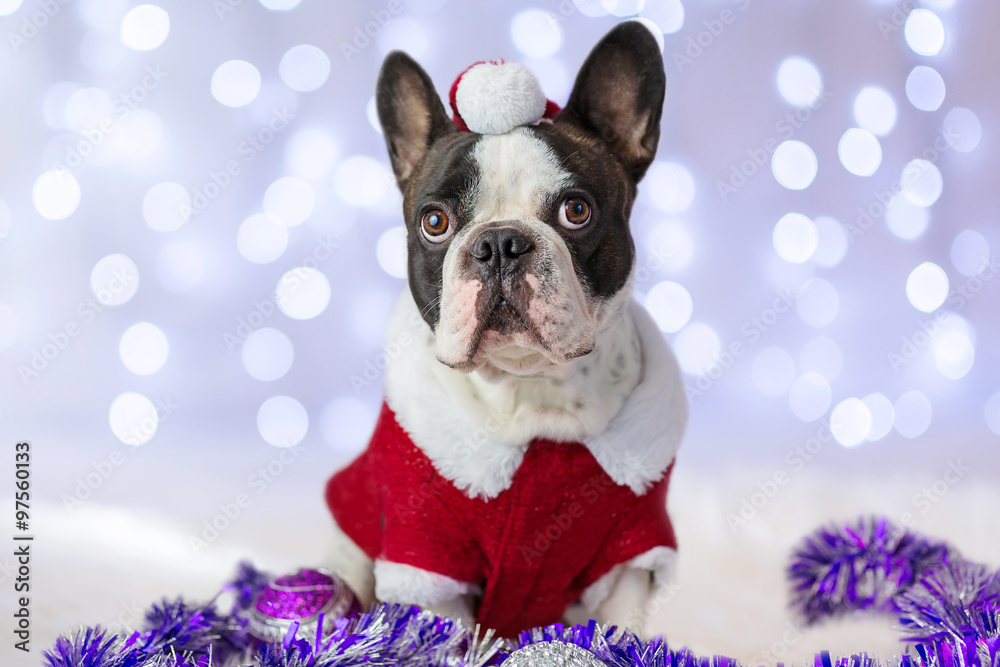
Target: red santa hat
494	97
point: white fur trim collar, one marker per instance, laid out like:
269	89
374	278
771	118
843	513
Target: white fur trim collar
479	445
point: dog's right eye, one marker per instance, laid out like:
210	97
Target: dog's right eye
435	225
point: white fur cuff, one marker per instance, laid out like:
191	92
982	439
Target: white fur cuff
661	561
405	584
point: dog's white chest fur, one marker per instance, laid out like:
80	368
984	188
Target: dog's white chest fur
625	402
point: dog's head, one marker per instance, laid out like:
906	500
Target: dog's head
519	249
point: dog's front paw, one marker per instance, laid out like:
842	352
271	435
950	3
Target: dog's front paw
625	604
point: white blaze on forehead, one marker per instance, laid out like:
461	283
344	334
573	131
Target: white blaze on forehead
517	173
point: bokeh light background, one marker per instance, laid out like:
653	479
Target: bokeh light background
200	237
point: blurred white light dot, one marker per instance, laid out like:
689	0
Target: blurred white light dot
304	68
773	371
403	34
114	280
8	325
912	414
5	220
346	424
795	238
8	7
993	413
822	355
818	303
850	422
670	305
101	50
235	83
360	181
282	421
669	186
97	13
133	418
810	396
832	243
87	107
881	411
391	252
924	32
290	199
970	252
262	238
875	110
799	82
927	287
954	355
667	14
267	354
303	293
697	347
670	246
180	265
962	129
591	8
536	33
138	134
950	322
56	103
859	152
143	348
280	5
905	219
311	154
925	88
166	207
624	7
56	194
145	27
922	182
794	165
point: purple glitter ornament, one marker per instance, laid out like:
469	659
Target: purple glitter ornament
301	598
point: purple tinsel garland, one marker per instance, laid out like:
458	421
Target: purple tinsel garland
862	566
949	609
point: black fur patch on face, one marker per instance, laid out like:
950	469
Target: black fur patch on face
603	251
443	180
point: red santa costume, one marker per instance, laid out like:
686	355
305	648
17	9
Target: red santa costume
452	497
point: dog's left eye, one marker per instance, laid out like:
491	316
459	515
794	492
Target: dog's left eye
435	225
574	213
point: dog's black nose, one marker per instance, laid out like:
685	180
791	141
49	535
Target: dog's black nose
500	247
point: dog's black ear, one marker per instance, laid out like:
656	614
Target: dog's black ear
410	112
618	95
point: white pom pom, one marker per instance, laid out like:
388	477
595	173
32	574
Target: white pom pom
495	98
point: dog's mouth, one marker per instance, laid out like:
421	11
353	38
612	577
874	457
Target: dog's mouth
504	328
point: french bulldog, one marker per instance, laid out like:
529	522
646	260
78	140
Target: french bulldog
518	472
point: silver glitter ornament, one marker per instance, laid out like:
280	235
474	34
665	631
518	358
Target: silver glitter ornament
552	654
